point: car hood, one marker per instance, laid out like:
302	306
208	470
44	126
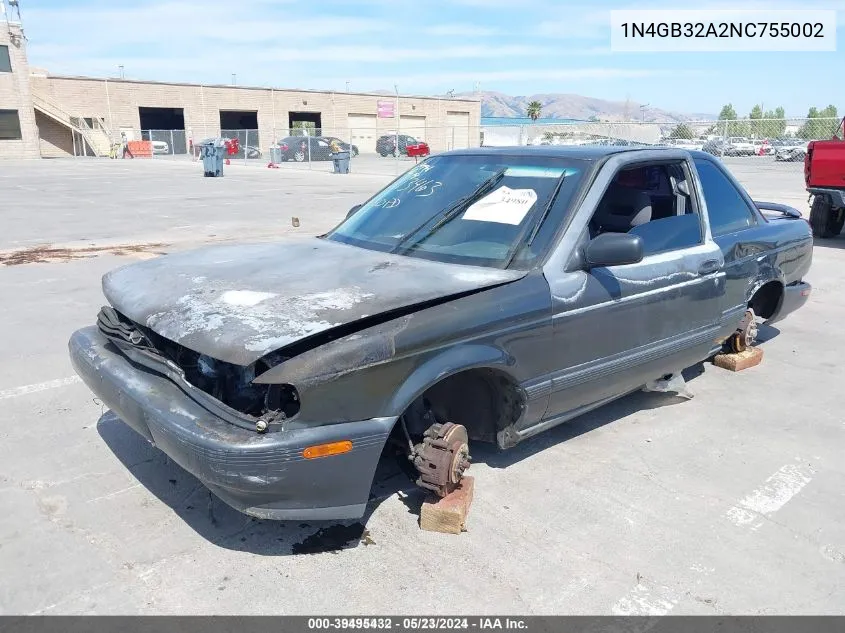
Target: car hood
237	303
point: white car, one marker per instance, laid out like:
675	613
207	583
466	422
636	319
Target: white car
741	146
160	147
792	152
685	143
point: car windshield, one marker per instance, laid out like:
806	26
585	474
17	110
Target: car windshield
473	209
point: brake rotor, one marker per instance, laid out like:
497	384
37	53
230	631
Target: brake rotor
442	457
746	333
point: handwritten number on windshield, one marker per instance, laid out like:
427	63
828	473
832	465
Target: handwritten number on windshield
388	203
423	187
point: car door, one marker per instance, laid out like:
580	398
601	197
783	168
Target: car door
619	327
319	149
747	244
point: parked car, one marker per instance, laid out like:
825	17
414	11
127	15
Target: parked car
346	147
160	147
309	148
504	299
792	152
824	176
250	150
740	146
684	143
729	147
408	146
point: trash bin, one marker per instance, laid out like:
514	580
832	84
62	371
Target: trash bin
275	154
342	159
213	154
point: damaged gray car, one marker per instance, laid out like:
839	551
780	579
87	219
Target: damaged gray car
485	295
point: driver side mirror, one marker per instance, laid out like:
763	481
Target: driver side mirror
353	210
613	249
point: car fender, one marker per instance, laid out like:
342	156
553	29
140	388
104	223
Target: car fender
449	362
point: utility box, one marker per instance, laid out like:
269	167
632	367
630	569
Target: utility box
213	154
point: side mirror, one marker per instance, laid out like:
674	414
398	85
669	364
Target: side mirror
353	210
613	249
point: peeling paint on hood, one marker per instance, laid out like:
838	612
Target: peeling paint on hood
239	302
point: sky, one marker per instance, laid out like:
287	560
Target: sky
518	47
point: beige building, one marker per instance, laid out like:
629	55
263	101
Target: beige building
54	116
18	132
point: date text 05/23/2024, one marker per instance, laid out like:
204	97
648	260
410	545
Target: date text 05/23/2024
417	623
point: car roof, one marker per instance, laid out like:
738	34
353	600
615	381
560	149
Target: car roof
583	152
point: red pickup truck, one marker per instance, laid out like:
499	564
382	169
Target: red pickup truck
824	175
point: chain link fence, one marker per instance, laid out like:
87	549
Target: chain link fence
767	140
382	149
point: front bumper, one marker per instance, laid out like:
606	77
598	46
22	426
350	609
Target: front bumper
263	475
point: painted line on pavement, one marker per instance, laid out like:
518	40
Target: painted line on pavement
41	386
775	493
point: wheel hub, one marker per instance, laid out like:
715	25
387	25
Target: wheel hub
442	457
746	333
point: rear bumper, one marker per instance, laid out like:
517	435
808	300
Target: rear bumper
794	296
837	195
263	475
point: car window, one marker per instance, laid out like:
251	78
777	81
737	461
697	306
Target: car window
430	212
669	234
727	209
646	200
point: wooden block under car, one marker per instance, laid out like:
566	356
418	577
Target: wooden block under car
739	361
448	514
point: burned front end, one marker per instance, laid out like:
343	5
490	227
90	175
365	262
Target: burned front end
237	436
226	387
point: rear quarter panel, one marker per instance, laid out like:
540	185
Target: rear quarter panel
776	250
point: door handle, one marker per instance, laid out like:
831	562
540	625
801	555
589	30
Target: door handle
709	267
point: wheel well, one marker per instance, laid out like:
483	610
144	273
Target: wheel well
766	300
483	400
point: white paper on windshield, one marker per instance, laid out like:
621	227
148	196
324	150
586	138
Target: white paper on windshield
504	206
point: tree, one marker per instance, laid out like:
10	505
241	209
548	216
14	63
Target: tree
757	126
775	122
534	110
820	124
732	126
682	131
728	113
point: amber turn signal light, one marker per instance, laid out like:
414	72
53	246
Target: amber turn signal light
324	450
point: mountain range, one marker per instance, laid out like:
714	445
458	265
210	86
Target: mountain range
571	106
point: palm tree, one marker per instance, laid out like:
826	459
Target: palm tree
534	109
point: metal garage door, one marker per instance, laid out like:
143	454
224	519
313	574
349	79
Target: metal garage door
457	135
413	126
362	132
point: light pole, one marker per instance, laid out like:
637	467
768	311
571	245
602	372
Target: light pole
396	88
120	71
234	78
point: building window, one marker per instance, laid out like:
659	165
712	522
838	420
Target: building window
10	125
5	62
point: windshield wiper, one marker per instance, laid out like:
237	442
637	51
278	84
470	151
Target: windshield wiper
534	225
453	211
